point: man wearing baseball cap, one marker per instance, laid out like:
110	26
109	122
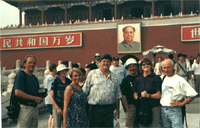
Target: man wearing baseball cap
127	85
118	69
96	61
57	94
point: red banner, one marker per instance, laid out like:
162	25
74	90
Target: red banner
190	33
41	41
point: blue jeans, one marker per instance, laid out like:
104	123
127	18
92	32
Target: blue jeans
171	116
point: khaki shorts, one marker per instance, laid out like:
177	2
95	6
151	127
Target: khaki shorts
57	119
130	116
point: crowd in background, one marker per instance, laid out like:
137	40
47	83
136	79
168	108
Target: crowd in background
189	69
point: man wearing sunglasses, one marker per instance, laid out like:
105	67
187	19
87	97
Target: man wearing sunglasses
147	87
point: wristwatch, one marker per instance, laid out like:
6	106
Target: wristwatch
149	95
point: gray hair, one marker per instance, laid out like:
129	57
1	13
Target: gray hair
167	60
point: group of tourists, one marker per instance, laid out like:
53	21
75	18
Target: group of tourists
152	94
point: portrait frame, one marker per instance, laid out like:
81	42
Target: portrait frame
122	46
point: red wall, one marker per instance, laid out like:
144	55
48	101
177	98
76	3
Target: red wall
170	37
105	41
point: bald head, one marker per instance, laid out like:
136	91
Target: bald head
167	67
168	61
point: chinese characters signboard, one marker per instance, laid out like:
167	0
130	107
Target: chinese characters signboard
41	41
190	33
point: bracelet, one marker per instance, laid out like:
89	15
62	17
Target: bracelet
149	95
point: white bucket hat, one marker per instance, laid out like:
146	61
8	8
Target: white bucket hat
130	61
61	67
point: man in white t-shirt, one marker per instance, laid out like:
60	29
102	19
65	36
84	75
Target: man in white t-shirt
174	89
196	73
118	69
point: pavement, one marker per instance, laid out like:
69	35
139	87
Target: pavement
192	115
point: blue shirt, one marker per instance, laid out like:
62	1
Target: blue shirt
30	87
59	87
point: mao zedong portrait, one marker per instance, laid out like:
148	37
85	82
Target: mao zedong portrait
128	44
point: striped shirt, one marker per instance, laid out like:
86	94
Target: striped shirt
59	87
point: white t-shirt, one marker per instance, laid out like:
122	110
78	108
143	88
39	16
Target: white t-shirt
187	62
157	67
196	68
175	88
120	71
47	84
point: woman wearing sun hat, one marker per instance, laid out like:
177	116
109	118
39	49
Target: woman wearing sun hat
57	94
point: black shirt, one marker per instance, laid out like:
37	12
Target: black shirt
127	88
151	83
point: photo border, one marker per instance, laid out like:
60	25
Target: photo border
120	26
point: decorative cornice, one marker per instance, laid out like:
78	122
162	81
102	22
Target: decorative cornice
100	26
69	5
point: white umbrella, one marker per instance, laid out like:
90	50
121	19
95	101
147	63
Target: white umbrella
159	50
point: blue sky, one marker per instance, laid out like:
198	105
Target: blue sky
8	14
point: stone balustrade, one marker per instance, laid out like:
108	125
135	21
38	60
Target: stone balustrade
7	82
77	22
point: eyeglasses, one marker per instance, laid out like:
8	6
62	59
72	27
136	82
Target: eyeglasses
143	64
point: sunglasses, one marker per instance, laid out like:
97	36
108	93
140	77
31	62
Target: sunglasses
143	64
